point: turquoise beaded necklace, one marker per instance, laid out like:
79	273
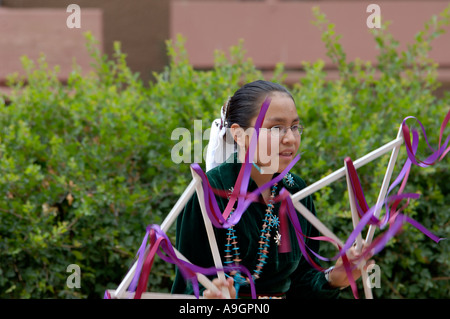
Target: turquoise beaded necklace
270	222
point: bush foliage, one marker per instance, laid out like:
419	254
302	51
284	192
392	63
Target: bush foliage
86	166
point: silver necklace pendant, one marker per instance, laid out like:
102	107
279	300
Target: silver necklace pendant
278	238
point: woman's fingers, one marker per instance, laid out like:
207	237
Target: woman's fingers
354	254
338	275
370	262
228	284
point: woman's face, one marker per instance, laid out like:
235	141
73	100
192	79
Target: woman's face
274	150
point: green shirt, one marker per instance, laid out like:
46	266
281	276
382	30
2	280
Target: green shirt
287	273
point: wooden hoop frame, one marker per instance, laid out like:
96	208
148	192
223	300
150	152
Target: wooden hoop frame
195	185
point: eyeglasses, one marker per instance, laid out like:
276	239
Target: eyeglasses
280	131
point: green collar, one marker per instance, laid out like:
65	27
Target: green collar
235	164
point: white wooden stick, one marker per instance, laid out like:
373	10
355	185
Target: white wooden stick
385	184
179	206
121	290
200	277
210	233
341	172
355	219
157	295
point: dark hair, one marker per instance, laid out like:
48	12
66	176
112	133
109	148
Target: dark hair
246	102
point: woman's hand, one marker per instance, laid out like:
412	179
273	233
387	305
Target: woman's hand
338	276
229	284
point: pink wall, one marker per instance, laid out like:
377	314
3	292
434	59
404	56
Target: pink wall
281	31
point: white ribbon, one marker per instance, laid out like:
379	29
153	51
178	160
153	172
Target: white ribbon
218	150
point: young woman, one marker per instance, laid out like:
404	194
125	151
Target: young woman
253	241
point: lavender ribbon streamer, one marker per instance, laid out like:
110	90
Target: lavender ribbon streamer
140	256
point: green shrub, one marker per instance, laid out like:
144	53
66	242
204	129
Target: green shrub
86	166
